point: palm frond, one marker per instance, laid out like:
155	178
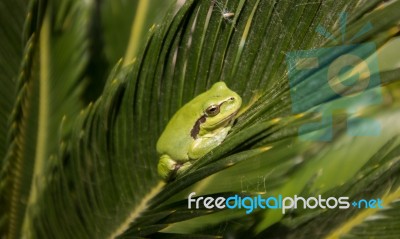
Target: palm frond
49	92
11	52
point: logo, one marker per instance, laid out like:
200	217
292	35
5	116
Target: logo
348	73
250	204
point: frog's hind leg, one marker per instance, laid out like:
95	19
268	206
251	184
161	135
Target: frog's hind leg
167	167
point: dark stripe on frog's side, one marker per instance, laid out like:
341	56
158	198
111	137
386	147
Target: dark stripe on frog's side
196	128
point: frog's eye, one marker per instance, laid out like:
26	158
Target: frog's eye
212	110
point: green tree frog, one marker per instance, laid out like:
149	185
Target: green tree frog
196	128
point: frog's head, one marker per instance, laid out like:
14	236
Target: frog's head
221	106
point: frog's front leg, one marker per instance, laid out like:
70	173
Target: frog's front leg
168	168
205	144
